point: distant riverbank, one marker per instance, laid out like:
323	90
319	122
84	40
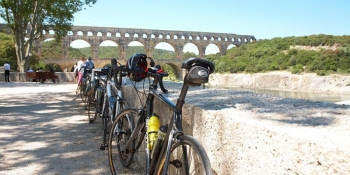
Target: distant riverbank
283	80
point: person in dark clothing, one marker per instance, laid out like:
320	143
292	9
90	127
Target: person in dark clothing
72	69
41	70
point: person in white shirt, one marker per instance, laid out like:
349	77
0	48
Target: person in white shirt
7	72
80	65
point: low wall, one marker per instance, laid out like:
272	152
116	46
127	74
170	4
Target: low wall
239	144
21	77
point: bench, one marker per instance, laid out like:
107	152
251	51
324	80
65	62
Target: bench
38	76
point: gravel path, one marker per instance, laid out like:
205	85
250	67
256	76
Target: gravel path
44	130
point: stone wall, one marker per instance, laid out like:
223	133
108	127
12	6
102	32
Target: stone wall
237	143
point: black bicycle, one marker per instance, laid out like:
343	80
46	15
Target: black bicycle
139	144
110	101
95	95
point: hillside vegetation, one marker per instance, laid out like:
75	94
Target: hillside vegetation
288	54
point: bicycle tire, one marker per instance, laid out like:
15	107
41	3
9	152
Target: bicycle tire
77	91
197	158
120	160
98	104
87	93
91	106
105	120
82	88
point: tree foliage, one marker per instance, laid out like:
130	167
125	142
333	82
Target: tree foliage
28	19
53	49
7	51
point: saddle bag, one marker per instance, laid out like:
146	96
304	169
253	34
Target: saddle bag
198	75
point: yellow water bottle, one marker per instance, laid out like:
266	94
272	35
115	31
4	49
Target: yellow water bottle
152	130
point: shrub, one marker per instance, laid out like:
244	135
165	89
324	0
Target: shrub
321	72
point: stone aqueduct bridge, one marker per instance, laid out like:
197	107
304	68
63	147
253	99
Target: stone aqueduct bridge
148	37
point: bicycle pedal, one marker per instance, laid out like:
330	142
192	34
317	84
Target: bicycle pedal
103	147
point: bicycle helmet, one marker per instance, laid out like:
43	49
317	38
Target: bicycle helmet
137	61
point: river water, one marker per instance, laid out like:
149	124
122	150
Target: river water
328	97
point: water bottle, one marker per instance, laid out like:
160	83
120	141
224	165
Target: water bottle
152	130
157	147
159	142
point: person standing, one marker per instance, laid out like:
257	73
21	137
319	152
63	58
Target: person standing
7	72
89	64
79	69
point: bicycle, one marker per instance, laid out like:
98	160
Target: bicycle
83	87
94	98
113	101
130	150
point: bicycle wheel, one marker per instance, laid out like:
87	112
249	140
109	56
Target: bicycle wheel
91	102
122	105
187	157
105	121
87	93
99	103
77	91
82	89
121	160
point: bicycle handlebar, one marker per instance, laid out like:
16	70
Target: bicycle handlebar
123	69
151	72
159	76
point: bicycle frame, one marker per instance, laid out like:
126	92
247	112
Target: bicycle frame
175	125
112	99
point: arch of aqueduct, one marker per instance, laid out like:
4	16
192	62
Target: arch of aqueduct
148	37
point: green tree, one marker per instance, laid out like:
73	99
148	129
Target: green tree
187	55
29	18
51	49
7	51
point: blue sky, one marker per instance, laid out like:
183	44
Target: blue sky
265	19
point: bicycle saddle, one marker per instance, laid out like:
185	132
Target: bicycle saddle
189	63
